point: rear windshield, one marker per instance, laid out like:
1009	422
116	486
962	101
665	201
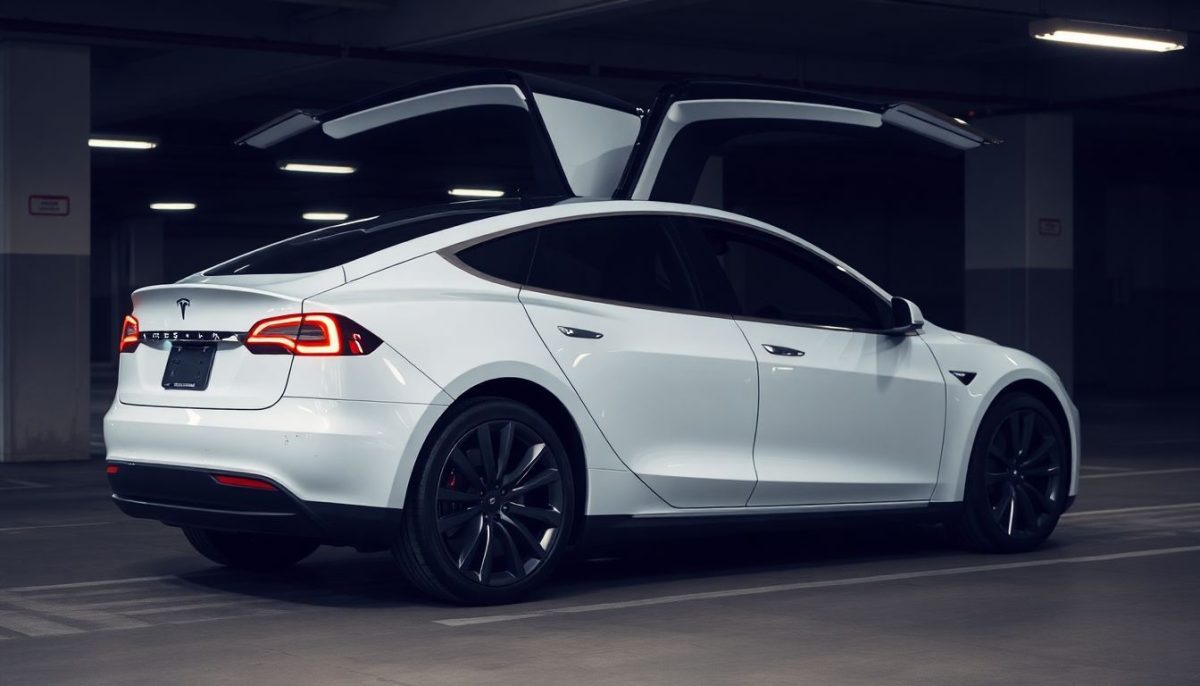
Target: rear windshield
342	243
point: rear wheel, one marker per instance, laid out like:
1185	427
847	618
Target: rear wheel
1017	479
492	507
260	552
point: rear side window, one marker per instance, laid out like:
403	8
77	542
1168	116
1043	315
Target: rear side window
627	258
346	242
506	258
751	273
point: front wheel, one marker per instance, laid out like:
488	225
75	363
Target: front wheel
259	552
1017	479
492	507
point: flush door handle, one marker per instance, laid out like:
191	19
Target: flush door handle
782	350
574	332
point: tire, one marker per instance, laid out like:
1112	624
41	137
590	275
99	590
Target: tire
1017	479
257	552
483	525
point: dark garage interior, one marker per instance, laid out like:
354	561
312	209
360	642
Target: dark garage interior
1075	240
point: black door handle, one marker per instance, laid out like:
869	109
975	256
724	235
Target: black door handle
579	333
782	350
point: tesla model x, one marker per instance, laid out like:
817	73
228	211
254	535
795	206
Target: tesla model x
476	386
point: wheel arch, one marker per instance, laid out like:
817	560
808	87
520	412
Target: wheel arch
546	403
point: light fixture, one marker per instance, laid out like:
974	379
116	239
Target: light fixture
122	143
172	206
326	216
1107	35
476	193
318	167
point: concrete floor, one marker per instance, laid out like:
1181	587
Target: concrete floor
89	596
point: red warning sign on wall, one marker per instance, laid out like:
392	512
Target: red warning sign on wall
50	205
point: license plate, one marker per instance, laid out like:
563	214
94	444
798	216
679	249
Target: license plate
188	367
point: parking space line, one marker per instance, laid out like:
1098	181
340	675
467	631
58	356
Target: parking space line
1143	472
1130	510
14	529
89	584
807	585
32	625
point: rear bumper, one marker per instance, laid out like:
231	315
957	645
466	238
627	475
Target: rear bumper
192	497
350	453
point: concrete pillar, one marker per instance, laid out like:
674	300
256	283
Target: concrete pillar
45	223
1019	246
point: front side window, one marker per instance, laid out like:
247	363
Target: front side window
750	273
624	258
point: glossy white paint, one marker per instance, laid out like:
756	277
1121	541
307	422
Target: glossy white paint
592	142
421	105
330	451
857	419
675	394
240	380
356	436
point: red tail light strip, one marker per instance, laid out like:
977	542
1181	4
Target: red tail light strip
244	482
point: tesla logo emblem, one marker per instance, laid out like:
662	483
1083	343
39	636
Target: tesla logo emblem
183	304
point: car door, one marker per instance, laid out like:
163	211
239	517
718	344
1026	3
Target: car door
847	414
576	140
673	390
690	123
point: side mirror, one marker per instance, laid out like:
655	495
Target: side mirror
906	317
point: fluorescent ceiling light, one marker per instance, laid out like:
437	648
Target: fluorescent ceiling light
122	143
476	193
317	168
1107	35
172	206
326	216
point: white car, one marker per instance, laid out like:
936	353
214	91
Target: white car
479	385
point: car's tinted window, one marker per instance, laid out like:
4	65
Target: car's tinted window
343	243
627	258
506	258
752	273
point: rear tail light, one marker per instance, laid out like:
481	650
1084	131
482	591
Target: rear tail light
310	334
129	334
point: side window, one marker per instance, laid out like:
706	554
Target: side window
626	258
752	273
505	258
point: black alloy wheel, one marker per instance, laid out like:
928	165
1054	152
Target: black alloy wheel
500	502
494	506
1023	473
1017	479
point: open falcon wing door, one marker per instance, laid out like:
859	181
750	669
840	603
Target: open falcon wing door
690	122
579	139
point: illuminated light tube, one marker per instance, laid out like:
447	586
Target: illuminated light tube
172	206
122	143
476	193
1107	35
326	216
317	168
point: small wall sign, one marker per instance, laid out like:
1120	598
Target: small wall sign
49	205
1050	227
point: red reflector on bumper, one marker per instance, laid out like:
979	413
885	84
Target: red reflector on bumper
112	469
243	482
